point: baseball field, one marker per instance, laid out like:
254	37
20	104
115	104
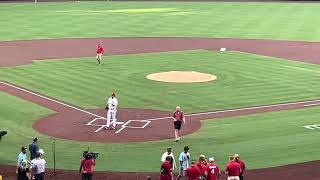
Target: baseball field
263	104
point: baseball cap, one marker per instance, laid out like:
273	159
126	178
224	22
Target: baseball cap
35	139
211	159
23	148
41	151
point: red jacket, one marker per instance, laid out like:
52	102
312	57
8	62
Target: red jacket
166	171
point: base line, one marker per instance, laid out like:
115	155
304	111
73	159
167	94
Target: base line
245	108
315	104
47	98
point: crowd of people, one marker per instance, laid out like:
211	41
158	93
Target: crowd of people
202	169
33	169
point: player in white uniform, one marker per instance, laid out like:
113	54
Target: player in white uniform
111	107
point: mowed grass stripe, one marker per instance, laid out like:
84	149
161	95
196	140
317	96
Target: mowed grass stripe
204	19
243	80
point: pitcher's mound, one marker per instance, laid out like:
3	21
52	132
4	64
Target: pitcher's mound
182	77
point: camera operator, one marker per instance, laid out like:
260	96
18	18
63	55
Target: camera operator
87	164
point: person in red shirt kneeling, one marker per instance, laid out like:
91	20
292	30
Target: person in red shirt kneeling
166	169
87	165
193	172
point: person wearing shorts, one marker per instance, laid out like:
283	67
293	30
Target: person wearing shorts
178	117
100	51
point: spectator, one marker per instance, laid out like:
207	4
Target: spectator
212	171
33	148
242	165
87	165
23	171
201	164
166	169
193	172
232	169
184	162
169	153
38	166
21	157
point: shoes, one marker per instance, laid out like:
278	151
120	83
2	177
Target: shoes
106	127
177	139
113	127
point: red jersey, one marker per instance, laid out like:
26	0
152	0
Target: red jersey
193	173
87	165
178	115
166	170
201	166
233	169
213	171
100	49
242	165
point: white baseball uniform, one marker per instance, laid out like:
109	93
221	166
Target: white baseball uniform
112	111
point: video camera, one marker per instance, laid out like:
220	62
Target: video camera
90	155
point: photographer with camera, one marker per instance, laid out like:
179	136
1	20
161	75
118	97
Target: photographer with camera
87	164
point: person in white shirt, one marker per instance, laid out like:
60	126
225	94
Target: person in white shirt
111	108
38	166
169	153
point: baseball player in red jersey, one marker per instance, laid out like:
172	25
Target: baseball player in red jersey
242	165
178	117
212	171
100	51
193	172
166	169
201	164
233	169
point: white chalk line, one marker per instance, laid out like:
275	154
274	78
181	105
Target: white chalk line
47	98
315	104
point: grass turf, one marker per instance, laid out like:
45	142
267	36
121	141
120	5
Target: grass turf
274	135
243	80
292	21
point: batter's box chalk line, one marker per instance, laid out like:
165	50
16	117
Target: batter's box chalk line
93	122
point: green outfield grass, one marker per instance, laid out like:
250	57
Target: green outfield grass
243	80
263	140
293	21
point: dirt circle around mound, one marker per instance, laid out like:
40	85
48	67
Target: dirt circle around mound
181	77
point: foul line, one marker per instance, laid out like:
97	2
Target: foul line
246	108
47	98
315	104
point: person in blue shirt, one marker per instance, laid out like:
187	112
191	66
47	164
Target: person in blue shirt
184	162
22	157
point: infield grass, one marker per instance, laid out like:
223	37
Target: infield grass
274	135
243	80
292	21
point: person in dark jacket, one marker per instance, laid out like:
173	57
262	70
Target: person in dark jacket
33	148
